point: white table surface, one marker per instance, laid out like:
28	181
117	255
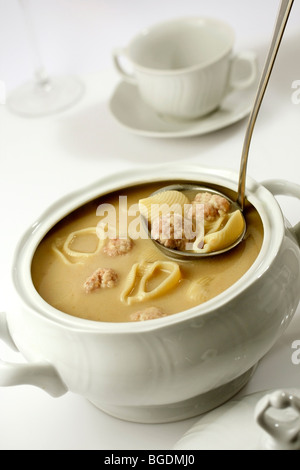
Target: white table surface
43	159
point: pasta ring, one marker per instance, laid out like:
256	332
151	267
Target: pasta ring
141	273
79	254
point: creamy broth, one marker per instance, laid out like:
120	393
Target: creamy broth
59	272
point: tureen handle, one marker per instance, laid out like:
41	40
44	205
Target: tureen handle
40	374
285	188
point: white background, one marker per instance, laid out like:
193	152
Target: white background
43	159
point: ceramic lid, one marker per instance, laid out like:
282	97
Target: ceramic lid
261	421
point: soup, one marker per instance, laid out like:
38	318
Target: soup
89	268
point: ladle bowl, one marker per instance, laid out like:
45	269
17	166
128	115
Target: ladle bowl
189	254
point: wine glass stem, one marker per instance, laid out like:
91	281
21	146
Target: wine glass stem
40	74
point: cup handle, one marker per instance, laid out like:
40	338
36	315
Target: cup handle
285	188
283	429
40	374
250	59
127	76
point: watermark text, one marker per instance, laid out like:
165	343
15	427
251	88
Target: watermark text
296	353
163	221
296	92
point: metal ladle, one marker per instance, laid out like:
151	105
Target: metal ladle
283	15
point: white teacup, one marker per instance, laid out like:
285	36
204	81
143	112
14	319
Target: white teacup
185	67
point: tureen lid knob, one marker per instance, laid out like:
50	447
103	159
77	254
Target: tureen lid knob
278	414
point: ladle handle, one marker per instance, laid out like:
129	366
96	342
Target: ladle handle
283	15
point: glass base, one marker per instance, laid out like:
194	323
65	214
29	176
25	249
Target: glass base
33	99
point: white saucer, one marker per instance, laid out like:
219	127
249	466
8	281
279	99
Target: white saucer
132	113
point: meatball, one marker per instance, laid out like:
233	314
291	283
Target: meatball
150	313
214	205
118	246
101	278
172	231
